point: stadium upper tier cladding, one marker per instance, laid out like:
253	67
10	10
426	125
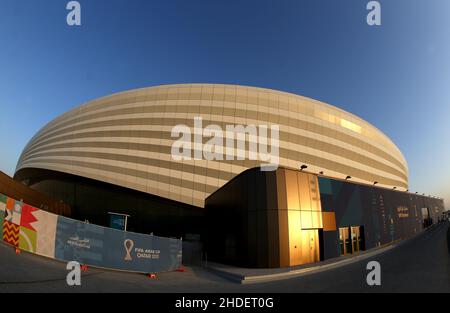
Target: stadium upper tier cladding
125	139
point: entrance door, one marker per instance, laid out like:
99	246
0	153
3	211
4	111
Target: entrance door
310	246
426	217
351	239
344	241
355	239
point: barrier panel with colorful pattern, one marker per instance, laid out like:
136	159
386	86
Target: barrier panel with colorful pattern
43	233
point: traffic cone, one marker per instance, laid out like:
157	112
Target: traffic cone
18	251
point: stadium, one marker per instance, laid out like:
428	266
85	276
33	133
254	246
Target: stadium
114	154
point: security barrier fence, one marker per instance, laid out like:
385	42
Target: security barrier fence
43	233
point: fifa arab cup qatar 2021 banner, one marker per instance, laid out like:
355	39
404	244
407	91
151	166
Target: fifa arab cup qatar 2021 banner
112	248
43	233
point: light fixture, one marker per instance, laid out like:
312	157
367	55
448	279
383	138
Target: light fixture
348	177
375	183
303	167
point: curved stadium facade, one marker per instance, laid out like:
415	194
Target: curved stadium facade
341	185
125	139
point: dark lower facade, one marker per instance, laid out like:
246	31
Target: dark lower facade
92	200
288	218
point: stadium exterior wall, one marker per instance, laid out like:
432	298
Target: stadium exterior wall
289	218
125	140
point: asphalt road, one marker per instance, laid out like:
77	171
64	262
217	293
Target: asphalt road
421	264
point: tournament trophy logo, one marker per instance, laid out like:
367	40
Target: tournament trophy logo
128	244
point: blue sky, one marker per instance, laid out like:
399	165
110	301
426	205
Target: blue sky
396	76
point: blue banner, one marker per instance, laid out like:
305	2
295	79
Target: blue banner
110	248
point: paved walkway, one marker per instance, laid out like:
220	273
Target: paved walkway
421	264
257	275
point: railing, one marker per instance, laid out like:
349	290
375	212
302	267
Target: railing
16	190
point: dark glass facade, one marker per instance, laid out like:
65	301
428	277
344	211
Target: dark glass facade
242	222
288	218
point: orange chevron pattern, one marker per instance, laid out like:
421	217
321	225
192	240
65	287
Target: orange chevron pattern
11	233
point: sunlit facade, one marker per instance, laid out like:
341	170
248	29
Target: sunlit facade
125	140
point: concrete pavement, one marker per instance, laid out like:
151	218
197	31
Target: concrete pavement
421	264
